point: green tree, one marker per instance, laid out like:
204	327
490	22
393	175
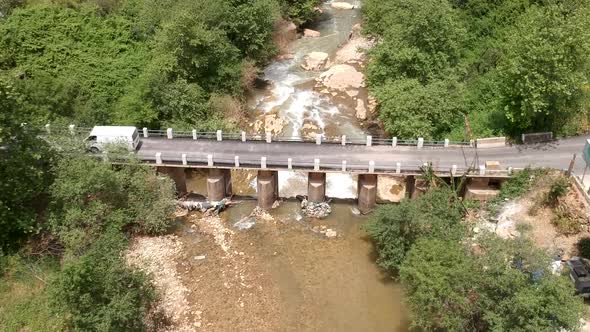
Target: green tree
545	68
25	162
409	109
98	292
394	229
443	286
490	285
89	196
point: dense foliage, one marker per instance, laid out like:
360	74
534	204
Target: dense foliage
506	67
395	228
497	285
456	280
139	62
25	172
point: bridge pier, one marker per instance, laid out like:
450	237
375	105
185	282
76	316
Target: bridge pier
218	184
316	187
177	174
267	185
367	192
410	185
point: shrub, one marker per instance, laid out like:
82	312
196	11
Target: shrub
395	228
98	292
558	189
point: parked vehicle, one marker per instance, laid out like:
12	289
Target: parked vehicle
580	275
101	137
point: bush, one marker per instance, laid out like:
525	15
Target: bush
583	247
90	196
496	285
395	228
558	189
98	292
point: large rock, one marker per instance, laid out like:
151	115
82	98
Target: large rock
342	5
273	124
311	33
315	61
361	110
341	78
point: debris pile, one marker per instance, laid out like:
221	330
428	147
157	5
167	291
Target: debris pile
315	210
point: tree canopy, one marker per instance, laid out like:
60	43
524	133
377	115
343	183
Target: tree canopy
515	66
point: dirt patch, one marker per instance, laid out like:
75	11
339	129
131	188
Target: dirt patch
536	219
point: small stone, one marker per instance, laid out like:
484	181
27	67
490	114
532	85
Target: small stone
475	230
330	233
200	257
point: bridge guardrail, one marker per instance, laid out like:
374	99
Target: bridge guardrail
367	140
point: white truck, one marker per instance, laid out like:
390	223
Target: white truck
102	137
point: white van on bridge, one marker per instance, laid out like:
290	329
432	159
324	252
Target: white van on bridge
117	136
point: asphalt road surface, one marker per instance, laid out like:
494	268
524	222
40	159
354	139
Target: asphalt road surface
555	154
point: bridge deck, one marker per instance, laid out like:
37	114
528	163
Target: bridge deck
555	154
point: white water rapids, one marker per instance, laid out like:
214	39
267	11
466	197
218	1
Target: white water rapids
290	93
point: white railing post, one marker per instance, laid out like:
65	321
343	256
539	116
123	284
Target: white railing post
471	143
482	170
219	136
369	140
159	158
318	139
290	163
509	170
454	170
343	139
398	168
72	129
105	156
145	132
420	142
210	160
243	136
394	142
48	129
263	162
446	142
371	166
237	161
343	165
268	138
169	133
184	160
195	134
316	164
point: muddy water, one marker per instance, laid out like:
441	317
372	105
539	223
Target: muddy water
294	278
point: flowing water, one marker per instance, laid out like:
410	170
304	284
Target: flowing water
304	111
294	278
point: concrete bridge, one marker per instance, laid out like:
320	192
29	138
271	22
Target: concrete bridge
368	157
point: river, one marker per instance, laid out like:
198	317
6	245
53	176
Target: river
282	274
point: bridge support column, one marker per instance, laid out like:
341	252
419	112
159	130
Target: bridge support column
177	174
267	185
367	192
410	185
218	184
316	187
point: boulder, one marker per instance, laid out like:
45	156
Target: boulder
315	210
341	78
361	111
342	5
315	61
273	124
311	33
